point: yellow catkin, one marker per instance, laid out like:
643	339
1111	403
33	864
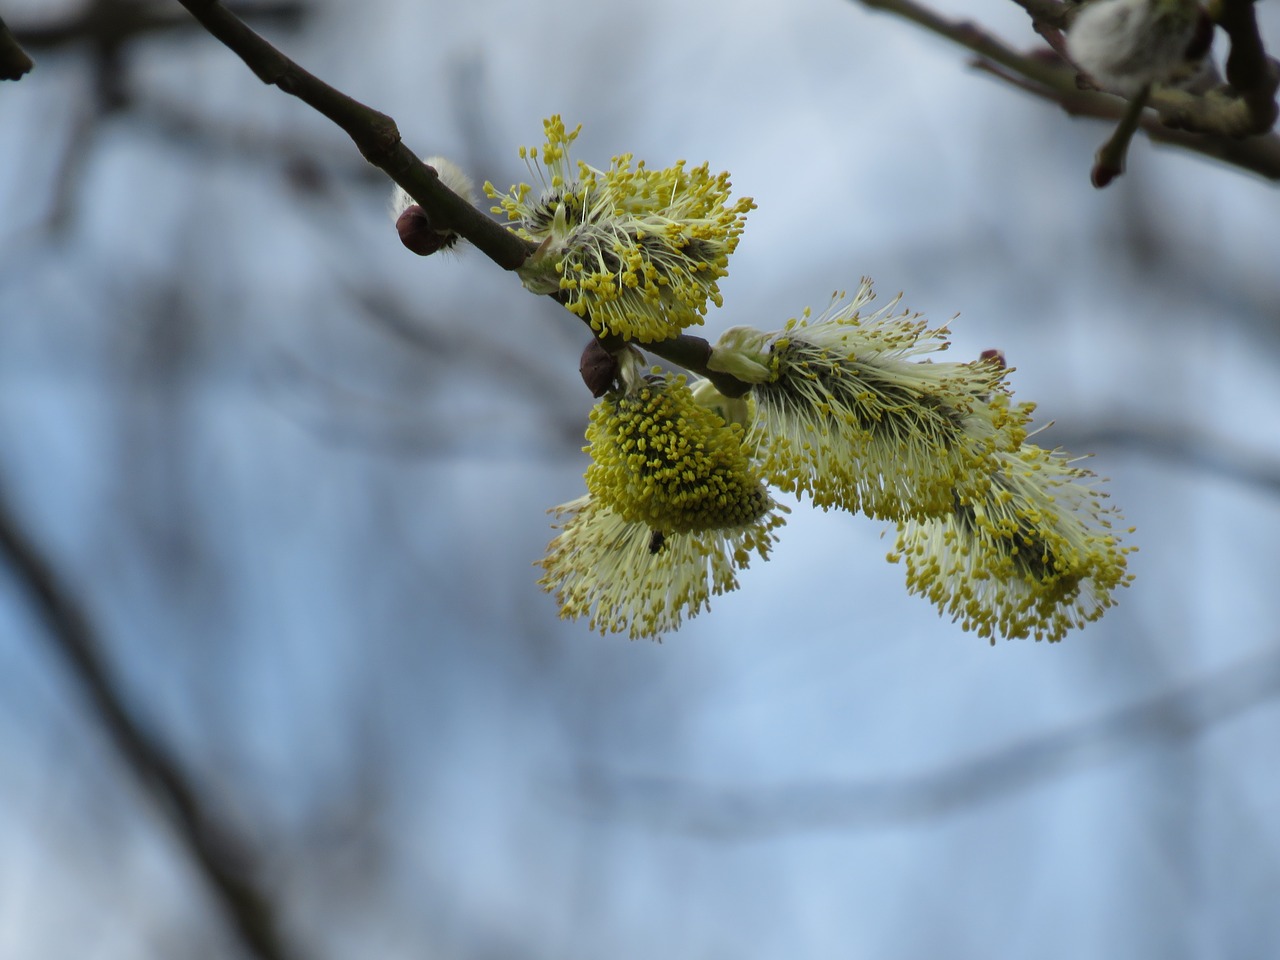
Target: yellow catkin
674	509
1036	556
847	412
637	252
626	578
660	458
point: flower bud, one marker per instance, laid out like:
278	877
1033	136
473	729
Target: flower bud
413	223
1124	45
996	357
417	234
598	367
1035	556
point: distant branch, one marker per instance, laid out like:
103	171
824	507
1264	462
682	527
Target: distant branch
14	62
113	22
1260	155
220	857
1211	124
1177	444
746	812
1250	71
1051	13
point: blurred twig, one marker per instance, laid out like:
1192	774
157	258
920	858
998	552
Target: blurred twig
108	28
1181	446
734	813
14	61
1251	73
1260	155
220	857
114	22
1210	124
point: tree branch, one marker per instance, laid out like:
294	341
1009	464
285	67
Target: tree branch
1214	122
1249	70
114	22
735	813
1052	13
218	855
378	139
14	62
1260	155
375	134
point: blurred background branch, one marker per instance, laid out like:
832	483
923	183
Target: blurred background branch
1230	127
1178	445
14	61
220	857
763	810
107	28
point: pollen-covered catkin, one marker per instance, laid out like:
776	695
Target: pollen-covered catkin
636	252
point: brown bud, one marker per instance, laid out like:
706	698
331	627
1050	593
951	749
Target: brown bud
416	233
1103	173
994	356
599	368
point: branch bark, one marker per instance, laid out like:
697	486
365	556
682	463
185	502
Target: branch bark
14	61
1249	70
376	136
1210	124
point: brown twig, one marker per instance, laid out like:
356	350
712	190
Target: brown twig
14	61
375	134
971	36
1260	155
378	139
220	857
115	22
1250	71
1051	13
1108	162
1219	117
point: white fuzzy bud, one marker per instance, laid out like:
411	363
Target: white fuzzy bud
413	224
451	175
1126	44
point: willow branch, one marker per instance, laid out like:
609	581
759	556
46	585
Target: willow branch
1052	13
378	139
1249	70
1260	155
1109	161
1209	124
968	35
220	857
14	61
375	134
